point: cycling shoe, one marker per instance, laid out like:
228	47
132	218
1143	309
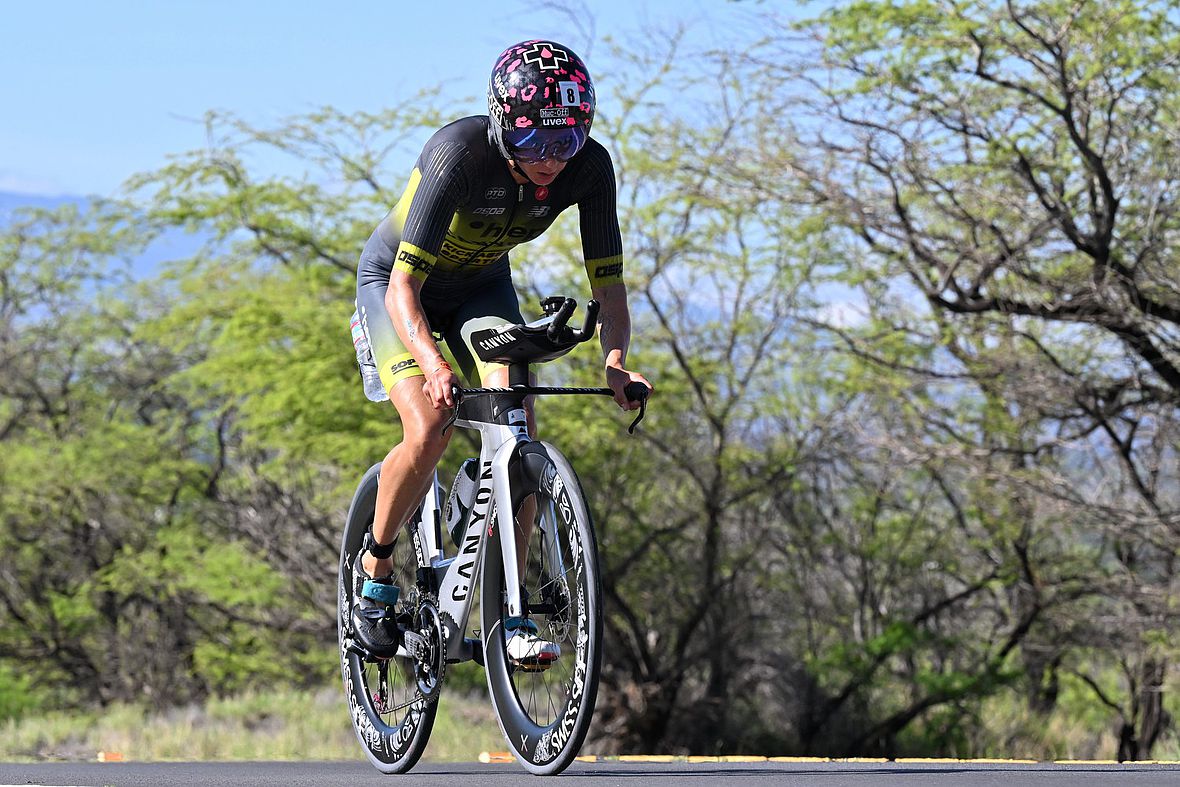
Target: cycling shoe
373	615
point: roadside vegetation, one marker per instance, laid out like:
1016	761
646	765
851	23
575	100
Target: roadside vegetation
905	276
286	724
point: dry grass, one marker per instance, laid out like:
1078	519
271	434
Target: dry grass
1071	732
288	725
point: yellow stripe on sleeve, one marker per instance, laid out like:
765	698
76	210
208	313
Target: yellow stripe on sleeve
604	271
414	261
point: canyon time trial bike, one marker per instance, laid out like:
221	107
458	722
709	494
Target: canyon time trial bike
544	710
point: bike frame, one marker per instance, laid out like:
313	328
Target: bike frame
457	576
498	414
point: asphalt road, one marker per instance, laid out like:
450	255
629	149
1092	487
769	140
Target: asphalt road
325	774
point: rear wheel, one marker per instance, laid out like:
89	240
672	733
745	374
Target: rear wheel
391	716
546	712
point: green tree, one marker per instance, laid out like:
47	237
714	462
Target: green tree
1010	170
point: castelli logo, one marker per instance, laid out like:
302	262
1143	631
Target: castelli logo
542	192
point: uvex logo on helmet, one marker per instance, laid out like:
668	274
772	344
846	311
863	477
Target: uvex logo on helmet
539	84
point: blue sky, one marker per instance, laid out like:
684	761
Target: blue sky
93	92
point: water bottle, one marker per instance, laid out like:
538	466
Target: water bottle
374	390
459	500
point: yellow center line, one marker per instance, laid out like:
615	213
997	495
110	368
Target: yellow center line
697	759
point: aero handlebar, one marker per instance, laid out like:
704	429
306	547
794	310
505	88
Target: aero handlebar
562	317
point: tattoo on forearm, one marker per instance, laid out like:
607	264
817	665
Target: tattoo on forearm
411	331
612	333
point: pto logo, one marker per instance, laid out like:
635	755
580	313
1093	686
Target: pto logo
546	55
495	193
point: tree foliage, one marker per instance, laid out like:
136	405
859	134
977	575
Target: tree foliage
904	276
1004	175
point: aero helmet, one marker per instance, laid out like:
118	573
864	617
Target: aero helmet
540	102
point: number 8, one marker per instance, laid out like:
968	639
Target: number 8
568	91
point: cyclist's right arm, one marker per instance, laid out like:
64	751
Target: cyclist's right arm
437	186
404	304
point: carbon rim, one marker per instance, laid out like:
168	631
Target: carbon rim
391	719
545	714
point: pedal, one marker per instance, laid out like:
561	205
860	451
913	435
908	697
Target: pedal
476	646
360	651
532	665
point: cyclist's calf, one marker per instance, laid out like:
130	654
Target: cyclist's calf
409	468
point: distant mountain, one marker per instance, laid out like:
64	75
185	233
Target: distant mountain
172	245
10	201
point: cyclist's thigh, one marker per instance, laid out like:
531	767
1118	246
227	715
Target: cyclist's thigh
493	303
394	361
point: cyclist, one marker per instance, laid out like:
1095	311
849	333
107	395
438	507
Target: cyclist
437	264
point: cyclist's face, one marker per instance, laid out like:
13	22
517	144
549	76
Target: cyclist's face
543	172
541	153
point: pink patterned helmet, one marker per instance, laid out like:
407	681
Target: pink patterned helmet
540	101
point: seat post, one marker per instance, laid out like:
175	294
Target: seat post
518	374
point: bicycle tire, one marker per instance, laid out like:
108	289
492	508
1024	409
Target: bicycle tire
394	740
545	733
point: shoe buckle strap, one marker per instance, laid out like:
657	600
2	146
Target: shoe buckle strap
382	592
514	623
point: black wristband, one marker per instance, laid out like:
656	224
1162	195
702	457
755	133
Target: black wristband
379	551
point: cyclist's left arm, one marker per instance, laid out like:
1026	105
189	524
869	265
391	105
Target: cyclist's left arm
602	247
614	333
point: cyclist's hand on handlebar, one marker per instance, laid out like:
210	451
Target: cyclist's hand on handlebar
439	386
618	378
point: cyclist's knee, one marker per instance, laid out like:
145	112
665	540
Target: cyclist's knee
423	432
422	425
428	443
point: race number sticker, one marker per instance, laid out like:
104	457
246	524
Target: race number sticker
570	97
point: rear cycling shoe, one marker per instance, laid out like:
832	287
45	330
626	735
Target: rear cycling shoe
373	615
527	650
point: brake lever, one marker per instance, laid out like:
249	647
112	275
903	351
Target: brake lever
457	395
637	392
638	418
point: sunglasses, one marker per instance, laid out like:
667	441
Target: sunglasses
534	145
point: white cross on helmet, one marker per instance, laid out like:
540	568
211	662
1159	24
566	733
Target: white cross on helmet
546	55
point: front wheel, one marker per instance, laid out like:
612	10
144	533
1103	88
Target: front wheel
545	713
391	716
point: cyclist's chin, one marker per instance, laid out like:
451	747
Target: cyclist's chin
544	173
